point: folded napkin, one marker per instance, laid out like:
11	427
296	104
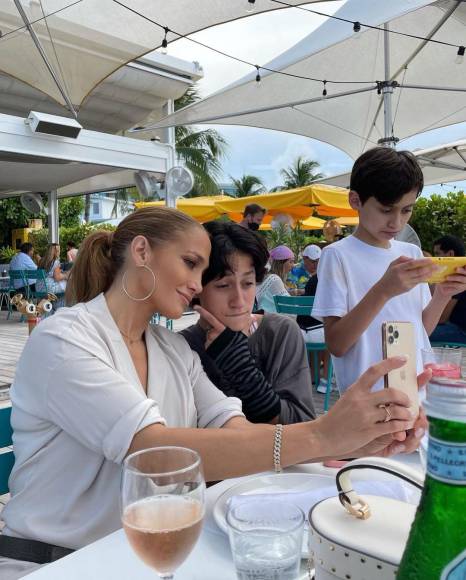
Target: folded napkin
307	499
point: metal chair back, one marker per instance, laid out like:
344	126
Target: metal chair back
294	304
7	459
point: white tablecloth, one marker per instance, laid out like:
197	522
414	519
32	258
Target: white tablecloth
111	558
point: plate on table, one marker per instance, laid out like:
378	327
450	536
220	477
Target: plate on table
269	484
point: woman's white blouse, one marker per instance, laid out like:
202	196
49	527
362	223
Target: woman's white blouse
77	404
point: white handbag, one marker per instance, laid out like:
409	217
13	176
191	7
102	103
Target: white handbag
354	538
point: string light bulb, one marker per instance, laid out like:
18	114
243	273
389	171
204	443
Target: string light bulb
250	6
324	91
258	76
356	29
460	55
164	41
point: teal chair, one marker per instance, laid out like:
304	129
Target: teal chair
156	319
15	275
7	459
303	305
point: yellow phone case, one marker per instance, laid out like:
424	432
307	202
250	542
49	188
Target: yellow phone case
448	265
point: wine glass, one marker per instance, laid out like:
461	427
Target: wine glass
162	505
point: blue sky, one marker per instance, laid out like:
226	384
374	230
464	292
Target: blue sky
263	152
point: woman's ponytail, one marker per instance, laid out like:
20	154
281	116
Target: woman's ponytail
93	270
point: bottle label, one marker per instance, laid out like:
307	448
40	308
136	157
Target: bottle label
456	570
446	461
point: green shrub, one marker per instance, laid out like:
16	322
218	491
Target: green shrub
6	254
39	238
439	215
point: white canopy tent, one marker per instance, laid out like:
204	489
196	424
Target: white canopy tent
441	164
133	94
422	86
65	48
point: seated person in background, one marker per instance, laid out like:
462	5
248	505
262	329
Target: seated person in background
259	359
313	329
71	251
452	323
96	382
56	279
301	273
23	261
281	263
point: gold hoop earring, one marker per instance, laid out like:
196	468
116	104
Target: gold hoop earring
125	290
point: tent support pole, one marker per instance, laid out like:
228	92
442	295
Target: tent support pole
43	54
260	110
389	139
169	140
53	217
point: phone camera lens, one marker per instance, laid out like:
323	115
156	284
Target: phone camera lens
396	334
390	329
391	340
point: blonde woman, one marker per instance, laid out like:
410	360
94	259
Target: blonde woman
281	264
56	278
96	382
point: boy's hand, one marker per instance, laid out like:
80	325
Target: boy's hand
454	284
210	324
405	273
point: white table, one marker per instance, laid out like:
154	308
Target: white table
111	558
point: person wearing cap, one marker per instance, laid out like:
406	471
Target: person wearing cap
281	263
313	329
300	274
253	215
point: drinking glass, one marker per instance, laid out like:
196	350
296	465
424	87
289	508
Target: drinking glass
266	539
444	362
162	505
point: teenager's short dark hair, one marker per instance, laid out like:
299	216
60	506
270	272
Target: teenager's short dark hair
450	242
253	208
386	174
227	238
71	244
26	247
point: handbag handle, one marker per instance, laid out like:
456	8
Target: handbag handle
350	500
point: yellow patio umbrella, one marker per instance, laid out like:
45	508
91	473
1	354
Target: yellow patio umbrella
347	221
202	209
310	223
299	212
326	199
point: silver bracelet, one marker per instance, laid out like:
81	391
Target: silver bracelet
277	448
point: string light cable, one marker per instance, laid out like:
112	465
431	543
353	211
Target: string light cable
356	26
42	18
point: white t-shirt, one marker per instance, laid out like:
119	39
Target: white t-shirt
77	404
347	270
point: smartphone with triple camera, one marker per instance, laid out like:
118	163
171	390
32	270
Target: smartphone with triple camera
398	339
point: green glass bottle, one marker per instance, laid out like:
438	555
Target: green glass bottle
436	548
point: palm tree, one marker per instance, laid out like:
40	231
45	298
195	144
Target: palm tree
301	173
248	185
200	150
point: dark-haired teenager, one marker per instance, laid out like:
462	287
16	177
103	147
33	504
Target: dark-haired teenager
369	277
261	359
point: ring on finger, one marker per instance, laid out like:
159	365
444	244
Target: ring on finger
388	414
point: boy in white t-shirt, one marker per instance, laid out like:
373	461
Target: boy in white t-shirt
369	277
